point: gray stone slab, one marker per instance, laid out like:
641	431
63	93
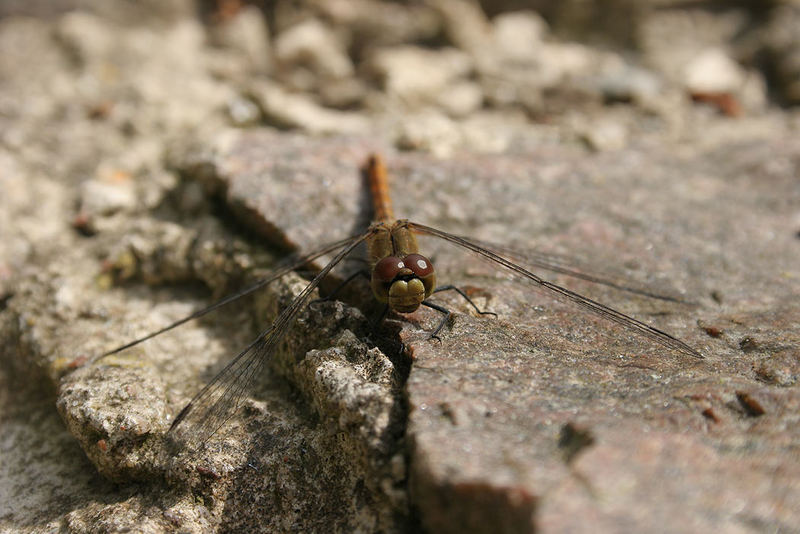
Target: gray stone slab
513	420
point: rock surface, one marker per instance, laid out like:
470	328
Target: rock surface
140	184
518	419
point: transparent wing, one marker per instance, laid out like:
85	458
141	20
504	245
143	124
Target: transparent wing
563	293
305	260
571	267
222	396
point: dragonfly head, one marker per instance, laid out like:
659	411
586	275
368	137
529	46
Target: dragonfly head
403	283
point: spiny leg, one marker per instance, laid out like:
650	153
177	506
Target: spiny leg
461	292
447	314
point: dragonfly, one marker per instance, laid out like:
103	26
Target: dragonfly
401	279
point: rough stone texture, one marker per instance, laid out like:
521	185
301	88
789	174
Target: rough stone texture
517	420
127	203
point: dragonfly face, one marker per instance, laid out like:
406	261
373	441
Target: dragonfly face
403	283
401	276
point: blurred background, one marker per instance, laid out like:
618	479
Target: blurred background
434	75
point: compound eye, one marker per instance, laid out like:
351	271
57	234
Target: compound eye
419	264
388	267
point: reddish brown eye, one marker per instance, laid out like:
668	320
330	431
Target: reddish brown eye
387	268
419	264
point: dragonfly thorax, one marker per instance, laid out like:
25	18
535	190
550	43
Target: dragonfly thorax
403	283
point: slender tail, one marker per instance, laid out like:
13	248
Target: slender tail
378	179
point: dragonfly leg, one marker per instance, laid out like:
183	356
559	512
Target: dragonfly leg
338	288
447	314
461	292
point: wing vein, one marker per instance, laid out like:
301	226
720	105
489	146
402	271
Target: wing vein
571	267
220	398
236	296
593	306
